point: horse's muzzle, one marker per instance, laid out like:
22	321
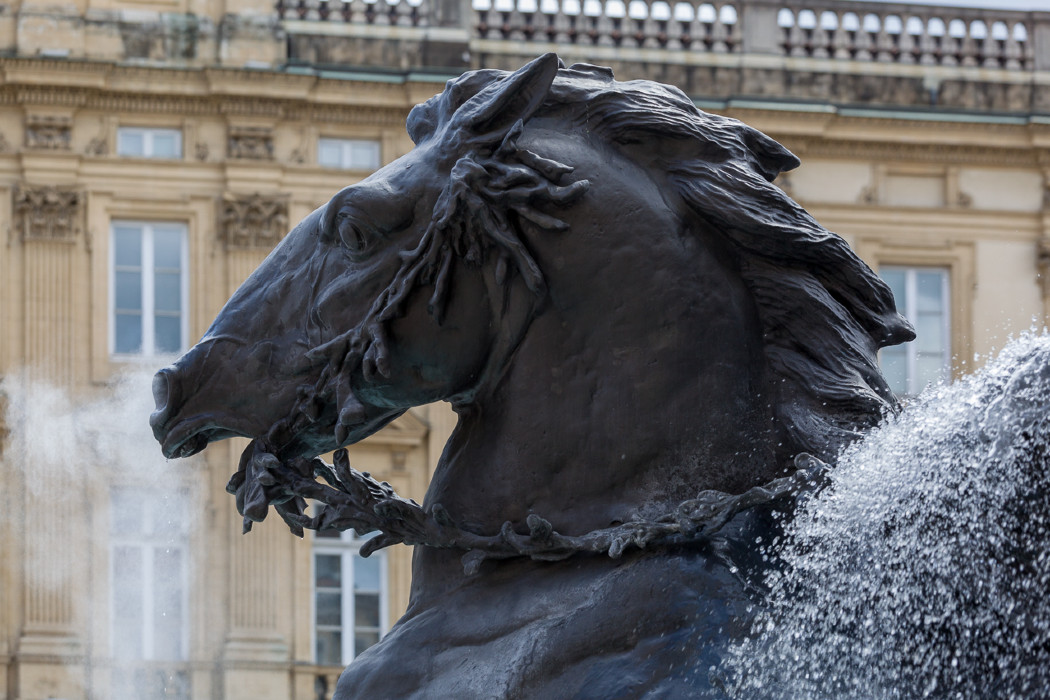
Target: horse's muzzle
166	397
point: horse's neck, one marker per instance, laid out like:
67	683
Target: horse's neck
616	406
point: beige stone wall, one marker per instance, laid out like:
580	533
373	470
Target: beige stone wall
250	596
966	193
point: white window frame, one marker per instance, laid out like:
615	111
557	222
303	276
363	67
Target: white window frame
347	547
910	311
346	147
147	133
148	348
149	544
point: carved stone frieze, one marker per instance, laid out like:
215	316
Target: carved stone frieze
48	213
48	132
98	146
252	143
253	221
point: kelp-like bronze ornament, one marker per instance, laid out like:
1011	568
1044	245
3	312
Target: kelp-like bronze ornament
651	350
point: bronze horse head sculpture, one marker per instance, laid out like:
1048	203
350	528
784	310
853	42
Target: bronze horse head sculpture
642	336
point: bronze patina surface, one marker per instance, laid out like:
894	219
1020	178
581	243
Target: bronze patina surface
650	348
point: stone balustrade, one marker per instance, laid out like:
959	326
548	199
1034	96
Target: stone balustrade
712	27
400	13
819	29
913	34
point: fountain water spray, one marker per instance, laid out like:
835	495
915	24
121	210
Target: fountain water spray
922	569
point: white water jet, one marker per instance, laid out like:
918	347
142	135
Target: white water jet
922	569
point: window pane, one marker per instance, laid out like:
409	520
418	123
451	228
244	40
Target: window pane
329	648
165	144
329	609
167	291
167	248
895	368
929	286
167	605
366	610
895	279
127	246
327	573
128	290
128	336
127	569
929	333
364	155
130	142
363	640
126	513
167	332
366	573
329	153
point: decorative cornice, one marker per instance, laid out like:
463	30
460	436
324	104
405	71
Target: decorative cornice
254	221
48	214
951	154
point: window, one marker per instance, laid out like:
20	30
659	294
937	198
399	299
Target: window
139	142
922	297
148	288
348	154
350	599
148	605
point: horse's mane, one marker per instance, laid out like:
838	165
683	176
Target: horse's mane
824	314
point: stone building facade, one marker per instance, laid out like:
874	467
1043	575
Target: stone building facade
153	151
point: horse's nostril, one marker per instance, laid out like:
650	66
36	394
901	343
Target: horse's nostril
162	398
160	389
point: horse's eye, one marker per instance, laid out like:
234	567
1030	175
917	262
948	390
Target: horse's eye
355	240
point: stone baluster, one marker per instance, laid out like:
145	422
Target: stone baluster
930	45
734	38
820	40
1013	53
513	19
970	49
907	43
608	26
311	10
571	12
884	43
560	24
842	39
994	46
354	11
797	39
863	44
720	37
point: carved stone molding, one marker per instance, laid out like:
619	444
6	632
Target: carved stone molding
252	143
253	221
48	132
48	214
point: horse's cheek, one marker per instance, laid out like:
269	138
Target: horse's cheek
430	360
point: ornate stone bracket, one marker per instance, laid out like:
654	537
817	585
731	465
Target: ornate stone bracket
48	132
250	143
47	214
253	221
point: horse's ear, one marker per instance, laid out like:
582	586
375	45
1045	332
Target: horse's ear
495	110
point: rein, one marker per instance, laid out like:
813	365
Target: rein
353	499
